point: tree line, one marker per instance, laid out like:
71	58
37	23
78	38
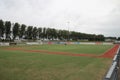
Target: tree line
11	31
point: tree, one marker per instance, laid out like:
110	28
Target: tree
35	33
118	38
22	30
53	34
1	28
65	34
73	35
39	33
7	29
100	38
29	32
60	34
44	33
16	30
48	33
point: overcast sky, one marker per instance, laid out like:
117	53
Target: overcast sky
87	16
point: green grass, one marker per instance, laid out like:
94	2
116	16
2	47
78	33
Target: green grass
19	65
86	49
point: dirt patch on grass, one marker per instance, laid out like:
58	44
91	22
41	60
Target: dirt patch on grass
109	54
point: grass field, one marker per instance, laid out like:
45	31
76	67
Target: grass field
86	49
22	65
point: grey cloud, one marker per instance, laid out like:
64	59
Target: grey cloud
56	13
